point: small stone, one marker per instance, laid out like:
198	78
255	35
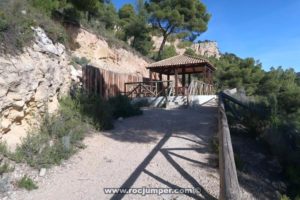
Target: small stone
120	119
5	125
42	172
4	184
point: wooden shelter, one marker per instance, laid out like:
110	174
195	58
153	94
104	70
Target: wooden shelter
182	65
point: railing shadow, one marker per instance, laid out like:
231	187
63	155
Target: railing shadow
198	144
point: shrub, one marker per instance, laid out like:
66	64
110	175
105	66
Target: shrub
47	145
184	44
79	61
169	51
3	23
5	168
45	5
27	183
284	197
92	109
122	107
3	149
190	52
18	16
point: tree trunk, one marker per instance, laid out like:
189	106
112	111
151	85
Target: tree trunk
161	48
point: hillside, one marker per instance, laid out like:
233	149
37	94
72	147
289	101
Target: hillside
43	73
76	105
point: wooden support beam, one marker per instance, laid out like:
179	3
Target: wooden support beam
176	82
189	79
205	74
183	77
160	84
168	79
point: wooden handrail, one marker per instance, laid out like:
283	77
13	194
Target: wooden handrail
134	83
229	185
138	89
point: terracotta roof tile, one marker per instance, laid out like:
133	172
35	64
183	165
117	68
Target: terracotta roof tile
180	60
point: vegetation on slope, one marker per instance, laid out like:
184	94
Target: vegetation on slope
275	97
60	135
134	26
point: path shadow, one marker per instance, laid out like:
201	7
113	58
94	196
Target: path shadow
143	130
155	123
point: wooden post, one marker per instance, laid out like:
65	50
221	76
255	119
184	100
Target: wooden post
176	82
160	84
150	78
210	77
183	80
189	77
101	82
205	74
96	81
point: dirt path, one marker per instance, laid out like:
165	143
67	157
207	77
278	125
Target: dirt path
160	149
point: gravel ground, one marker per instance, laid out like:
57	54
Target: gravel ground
160	149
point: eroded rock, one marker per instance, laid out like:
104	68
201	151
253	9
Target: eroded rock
30	80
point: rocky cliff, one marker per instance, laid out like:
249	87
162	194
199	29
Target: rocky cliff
101	55
202	48
32	82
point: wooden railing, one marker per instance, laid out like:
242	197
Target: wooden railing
148	89
229	185
199	88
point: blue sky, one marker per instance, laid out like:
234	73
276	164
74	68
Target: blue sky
267	30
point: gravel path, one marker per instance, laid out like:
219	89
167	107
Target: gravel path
160	149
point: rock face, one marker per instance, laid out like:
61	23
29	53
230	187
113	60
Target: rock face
207	49
204	48
30	81
101	55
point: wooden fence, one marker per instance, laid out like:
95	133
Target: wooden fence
229	185
106	83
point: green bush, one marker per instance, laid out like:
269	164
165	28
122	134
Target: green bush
46	5
190	52
16	20
184	44
5	168
79	61
122	107
3	23
47	145
92	108
27	183
3	149
169	51
284	197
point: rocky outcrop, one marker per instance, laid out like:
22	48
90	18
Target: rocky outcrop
31	81
202	48
100	54
207	49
